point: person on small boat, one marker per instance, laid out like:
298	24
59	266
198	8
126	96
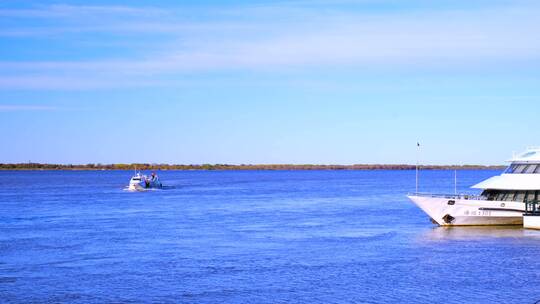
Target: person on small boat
139	182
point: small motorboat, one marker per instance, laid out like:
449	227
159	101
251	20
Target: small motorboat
141	182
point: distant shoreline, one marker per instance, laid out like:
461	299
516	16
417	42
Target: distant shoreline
225	167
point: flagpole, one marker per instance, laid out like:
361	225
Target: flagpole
417	160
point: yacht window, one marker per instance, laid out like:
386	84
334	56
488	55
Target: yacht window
531	196
529	169
537	170
499	196
511	169
520	196
510	196
488	194
520	168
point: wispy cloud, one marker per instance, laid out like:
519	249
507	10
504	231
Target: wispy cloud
62	19
78	11
274	38
19	108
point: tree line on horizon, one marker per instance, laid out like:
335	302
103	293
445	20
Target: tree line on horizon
145	166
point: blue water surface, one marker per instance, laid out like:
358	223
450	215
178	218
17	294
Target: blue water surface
252	237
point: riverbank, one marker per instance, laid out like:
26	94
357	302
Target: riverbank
39	166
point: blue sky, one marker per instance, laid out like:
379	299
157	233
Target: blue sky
325	82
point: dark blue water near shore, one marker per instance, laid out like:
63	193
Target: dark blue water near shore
251	237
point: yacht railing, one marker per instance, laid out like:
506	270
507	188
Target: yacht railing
450	196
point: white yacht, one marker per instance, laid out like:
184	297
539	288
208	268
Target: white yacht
502	201
142	182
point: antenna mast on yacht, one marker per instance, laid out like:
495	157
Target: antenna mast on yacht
455	181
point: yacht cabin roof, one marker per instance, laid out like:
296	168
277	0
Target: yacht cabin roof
511	182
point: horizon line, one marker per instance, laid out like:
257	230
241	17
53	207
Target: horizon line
217	166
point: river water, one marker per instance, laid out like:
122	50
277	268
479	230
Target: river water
252	237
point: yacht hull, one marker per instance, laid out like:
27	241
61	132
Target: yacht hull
446	211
